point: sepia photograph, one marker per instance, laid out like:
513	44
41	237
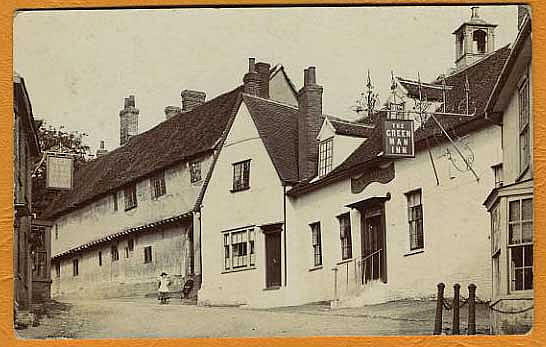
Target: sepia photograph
206	172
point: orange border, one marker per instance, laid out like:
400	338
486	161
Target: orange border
7	338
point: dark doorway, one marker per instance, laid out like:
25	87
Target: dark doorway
373	244
273	259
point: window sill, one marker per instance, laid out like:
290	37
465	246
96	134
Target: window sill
130	208
517	295
239	189
272	288
415	251
239	270
315	268
345	261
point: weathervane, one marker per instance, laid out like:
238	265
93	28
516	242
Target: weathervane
368	100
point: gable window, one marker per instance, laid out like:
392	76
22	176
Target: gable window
317	244
147	254
241	175
239	250
100	258
345	236
130	197
524	132
58	269
326	152
115	199
158	185
520	244
415	219
195	171
75	269
115	254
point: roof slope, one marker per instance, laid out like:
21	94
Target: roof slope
429	91
347	128
179	138
277	125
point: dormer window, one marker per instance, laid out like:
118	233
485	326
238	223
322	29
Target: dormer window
326	154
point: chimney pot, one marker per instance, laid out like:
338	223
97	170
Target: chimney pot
251	80
264	72
475	12
128	117
101	151
171	111
251	64
312	75
306	77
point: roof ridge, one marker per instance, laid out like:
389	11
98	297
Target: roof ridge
480	61
345	121
271	101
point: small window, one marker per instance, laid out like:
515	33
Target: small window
239	249
130	197
195	171
58	269
241	175
115	200
497	172
326	153
56	231
158	185
415	219
115	254
75	270
317	244
520	243
100	258
524	132
131	244
345	236
126	252
148	254
479	37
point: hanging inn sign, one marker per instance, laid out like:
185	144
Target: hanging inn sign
398	139
381	174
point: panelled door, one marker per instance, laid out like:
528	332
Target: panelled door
373	244
273	259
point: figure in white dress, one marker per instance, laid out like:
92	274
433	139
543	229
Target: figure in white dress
163	288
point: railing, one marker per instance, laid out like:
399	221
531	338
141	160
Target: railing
372	262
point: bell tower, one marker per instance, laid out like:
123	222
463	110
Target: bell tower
474	40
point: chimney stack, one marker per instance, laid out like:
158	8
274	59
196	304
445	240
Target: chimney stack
171	111
101	151
251	80
310	113
128	118
191	99
264	72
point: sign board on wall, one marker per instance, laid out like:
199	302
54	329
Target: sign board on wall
398	138
376	174
59	171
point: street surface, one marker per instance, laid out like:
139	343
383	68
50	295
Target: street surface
145	317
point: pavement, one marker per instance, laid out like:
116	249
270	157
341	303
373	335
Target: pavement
145	317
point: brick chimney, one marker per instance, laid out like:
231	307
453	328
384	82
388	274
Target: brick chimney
251	79
310	111
101	151
264	72
192	99
171	111
128	118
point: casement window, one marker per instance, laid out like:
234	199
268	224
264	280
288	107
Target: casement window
75	269
241	175
239	249
114	252
195	171
158	185
415	219
524	131
147	254
345	236
100	258
498	173
317	244
131	244
115	200
495	230
326	156
130	197
58	269
520	244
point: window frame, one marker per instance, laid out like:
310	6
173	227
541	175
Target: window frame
75	267
115	200
58	269
130	197
416	236
158	186
326	156
316	243
195	171
523	245
239	182
249	258
148	255
524	111
114	252
345	236
100	258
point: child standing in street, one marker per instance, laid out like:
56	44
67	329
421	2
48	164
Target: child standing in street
163	288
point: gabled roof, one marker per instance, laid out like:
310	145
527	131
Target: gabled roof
182	137
347	128
22	105
277	125
481	78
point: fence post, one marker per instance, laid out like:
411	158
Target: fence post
439	307
471	309
456	291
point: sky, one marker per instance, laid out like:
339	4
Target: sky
79	65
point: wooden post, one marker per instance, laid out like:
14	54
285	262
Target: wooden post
439	308
456	291
471	309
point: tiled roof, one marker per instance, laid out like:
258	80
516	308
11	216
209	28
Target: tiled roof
481	79
430	92
277	125
179	138
347	128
